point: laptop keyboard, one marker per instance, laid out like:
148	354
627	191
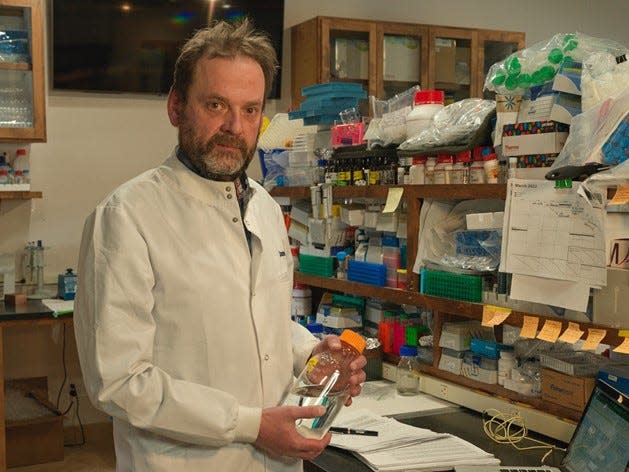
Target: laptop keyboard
523	469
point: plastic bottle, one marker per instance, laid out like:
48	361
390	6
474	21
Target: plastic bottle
407	376
491	168
301	306
443	169
325	381
417	172
426	104
429	172
460	169
477	170
21	160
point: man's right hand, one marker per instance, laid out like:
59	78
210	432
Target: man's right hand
278	435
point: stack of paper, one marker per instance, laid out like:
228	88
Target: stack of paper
399	446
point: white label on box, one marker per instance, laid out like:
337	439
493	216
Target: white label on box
527	144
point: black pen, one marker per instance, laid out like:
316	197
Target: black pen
359	432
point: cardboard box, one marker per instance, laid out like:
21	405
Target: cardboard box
566	390
565	107
445	60
530	138
568	78
401	58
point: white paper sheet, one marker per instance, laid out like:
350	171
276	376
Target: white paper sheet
563	293
553	233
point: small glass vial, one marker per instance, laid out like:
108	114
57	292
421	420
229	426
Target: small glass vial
407	378
341	270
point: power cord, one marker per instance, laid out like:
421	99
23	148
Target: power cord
504	428
74	396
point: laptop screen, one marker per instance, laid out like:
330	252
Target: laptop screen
601	440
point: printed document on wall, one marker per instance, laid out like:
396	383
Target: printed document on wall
553	233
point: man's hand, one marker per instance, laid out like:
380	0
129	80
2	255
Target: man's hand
357	376
278	435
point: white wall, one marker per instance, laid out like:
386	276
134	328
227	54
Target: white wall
96	141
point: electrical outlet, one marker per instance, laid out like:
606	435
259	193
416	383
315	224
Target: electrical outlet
443	390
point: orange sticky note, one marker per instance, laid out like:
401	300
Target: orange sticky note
572	333
550	331
624	347
595	336
621	196
494	315
529	327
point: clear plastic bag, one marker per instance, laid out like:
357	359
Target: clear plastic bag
454	125
590	130
538	64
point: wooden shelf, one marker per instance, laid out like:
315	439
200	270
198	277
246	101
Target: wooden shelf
437	304
379	192
23	195
15	66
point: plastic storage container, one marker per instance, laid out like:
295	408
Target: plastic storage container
426	104
407	376
325	381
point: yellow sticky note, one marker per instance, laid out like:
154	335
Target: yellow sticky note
494	315
621	196
550	331
595	336
624	347
393	199
572	334
529	327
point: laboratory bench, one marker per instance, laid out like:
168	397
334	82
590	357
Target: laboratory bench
30	314
459	421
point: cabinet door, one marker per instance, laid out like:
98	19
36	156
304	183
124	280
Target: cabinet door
349	52
402	58
494	46
22	116
452	62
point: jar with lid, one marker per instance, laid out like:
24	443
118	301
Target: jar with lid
426	104
477	170
460	169
491	168
429	172
417	172
407	375
325	381
443	169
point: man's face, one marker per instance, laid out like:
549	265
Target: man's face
220	122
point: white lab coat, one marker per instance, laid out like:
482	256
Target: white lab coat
183	334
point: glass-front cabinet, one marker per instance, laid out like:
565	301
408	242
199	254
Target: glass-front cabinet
331	50
22	110
390	57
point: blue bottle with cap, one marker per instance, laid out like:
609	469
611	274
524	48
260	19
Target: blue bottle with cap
66	285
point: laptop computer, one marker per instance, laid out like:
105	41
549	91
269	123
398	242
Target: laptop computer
600	441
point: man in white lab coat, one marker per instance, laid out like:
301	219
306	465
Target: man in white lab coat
182	314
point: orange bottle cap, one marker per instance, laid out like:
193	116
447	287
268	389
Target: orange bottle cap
353	339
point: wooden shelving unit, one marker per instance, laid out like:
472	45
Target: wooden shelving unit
443	309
